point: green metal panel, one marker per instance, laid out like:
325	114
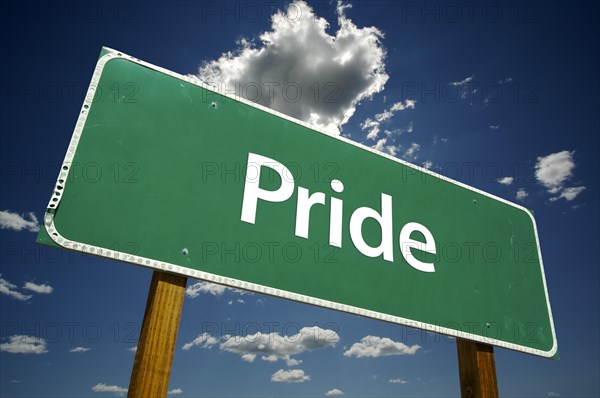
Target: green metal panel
156	169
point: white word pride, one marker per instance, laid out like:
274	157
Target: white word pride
306	200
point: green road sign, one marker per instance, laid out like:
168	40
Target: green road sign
164	172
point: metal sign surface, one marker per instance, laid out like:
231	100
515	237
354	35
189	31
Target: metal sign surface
165	172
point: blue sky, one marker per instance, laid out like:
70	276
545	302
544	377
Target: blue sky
501	96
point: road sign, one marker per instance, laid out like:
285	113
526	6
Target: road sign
165	172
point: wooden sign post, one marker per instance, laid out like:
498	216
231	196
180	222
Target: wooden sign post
156	346
477	369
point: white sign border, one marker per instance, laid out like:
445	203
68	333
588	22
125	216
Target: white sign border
237	284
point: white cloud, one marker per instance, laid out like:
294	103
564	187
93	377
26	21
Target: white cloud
389	149
41	289
10	290
199	288
301	70
21	344
101	387
494	126
380	146
196	289
374	126
392	150
568	194
554	170
411	152
462	82
336	392
385	115
398	106
248	357
17	222
506	180
204	340
132	349
428	164
289	376
397	381
293	362
175	391
80	349
467	91
521	194
553	394
408	104
507	80
271	347
373	346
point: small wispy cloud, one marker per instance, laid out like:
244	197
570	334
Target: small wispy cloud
494	126
506	180
11	290
199	288
40	289
290	376
397	107
374	347
22	344
18	222
463	81
521	194
102	387
373	127
568	194
412	151
335	392
382	146
437	139
175	391
397	381
80	349
205	340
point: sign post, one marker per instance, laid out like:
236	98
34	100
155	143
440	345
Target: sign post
156	345
477	369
